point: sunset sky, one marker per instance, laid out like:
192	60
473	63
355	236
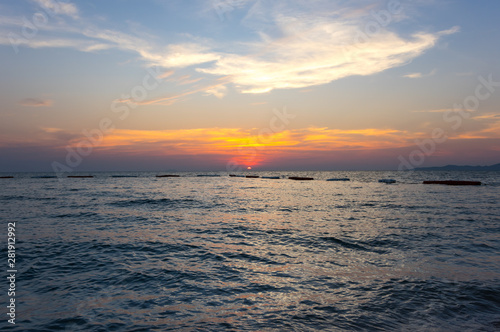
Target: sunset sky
223	84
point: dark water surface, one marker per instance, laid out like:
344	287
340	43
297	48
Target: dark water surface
220	253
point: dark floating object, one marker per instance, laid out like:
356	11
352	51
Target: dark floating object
168	176
339	179
388	181
236	175
271	177
6	177
80	176
44	177
299	178
455	183
252	176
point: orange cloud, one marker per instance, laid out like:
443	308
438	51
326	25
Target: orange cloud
248	146
491	129
261	147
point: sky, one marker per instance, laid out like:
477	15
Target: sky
230	84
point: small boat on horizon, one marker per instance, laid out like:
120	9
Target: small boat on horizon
252	176
168	176
6	177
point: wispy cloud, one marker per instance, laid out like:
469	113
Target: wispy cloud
185	55
444	110
36	102
169	100
59	7
166	74
317	53
218	91
494	116
490	127
185	79
421	75
294	50
413	75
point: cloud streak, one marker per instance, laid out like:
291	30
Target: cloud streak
420	75
445	110
234	140
36	102
58	7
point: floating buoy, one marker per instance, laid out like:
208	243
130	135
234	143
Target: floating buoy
168	176
6	177
299	178
455	183
252	176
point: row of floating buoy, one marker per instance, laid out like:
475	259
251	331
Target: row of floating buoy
455	183
296	178
303	178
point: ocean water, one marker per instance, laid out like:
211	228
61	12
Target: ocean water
237	254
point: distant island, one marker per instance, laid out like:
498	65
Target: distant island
495	167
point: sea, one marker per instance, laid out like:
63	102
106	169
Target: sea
129	251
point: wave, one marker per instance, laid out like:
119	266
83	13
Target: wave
161	202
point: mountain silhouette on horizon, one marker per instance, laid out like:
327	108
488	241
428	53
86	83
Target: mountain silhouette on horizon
495	167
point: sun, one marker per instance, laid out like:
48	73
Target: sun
249	167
